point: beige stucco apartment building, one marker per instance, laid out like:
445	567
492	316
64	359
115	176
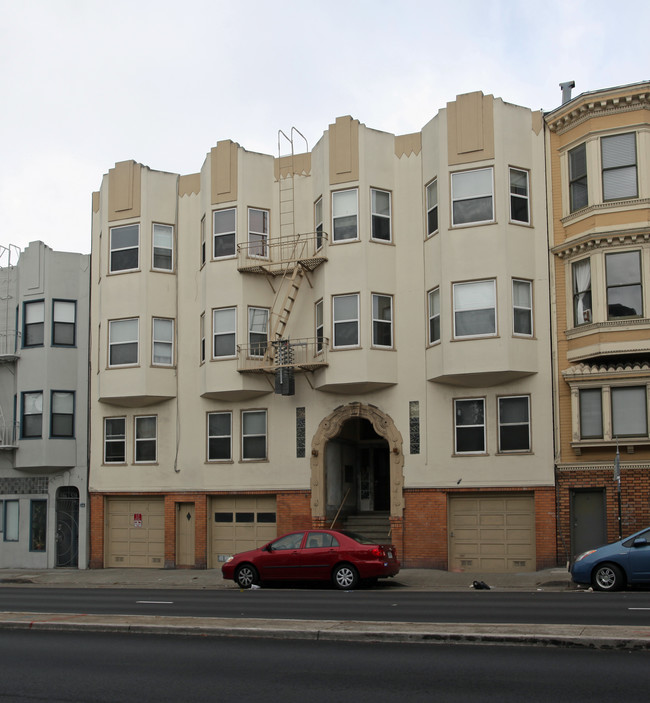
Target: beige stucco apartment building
354	332
598	147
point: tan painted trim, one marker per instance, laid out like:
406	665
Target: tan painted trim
330	428
408	144
189	185
124	191
470	128
296	165
223	171
344	150
96	202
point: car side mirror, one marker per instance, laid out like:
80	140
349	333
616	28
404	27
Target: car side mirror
640	542
267	548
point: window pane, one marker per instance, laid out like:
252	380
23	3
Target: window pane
470	439
380	202
514	438
623	268
346	334
224	221
619	150
469	412
474	210
346	307
591	423
629	412
224	245
124	237
145	427
513	410
62	402
224	320
163	330
123	331
344	203
254	447
122	354
219	424
224	345
258	221
474	295
11	521
521	293
254	423
33	403
382	307
115	427
64	311
163	236
471	184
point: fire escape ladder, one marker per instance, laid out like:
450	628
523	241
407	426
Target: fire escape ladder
284	311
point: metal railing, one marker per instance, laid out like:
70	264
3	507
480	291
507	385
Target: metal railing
9	436
274	255
307	354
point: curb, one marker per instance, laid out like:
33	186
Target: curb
576	636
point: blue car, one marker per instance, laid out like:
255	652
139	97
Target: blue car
615	565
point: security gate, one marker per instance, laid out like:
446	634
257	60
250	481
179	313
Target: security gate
67	526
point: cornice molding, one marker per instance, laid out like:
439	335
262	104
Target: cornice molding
605	106
601	240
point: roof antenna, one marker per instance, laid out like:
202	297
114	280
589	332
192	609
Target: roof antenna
566	90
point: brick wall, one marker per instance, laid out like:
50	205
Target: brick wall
635	501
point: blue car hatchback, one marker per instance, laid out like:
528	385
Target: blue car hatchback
616	565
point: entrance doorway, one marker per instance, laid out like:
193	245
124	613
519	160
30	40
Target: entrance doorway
588	520
185	534
357	470
67	526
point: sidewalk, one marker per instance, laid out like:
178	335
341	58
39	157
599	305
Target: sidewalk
407	579
331	630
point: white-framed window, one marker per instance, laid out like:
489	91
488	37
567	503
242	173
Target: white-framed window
380	203
475	309
345	209
618	154
34	323
258	232
124	248
319	325
258	331
11	521
578	193
469	426
624	285
114	440
146	439
64	323
31	426
629	411
224	325
382	320
253	447
62	408
626	415
581	273
472	197
224	224
123	342
202	335
432	207
318	222
434	315
163	341
220	436
163	247
519	196
345	316
591	413
514	424
522	307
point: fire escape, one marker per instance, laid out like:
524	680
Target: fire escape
286	261
8	338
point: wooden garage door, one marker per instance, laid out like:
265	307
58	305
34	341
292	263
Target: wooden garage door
492	533
135	534
239	523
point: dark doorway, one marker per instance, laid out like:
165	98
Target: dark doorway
588	520
67	526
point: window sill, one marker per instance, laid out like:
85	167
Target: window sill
616	324
628	443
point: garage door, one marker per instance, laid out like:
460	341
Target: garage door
492	533
239	523
135	534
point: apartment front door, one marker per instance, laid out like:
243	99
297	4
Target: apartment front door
185	533
588	520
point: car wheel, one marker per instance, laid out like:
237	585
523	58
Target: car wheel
607	577
345	577
246	575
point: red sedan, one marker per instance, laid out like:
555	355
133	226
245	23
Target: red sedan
314	555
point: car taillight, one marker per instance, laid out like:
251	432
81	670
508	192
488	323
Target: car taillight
378	552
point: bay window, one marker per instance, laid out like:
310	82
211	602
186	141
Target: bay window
475	309
472	200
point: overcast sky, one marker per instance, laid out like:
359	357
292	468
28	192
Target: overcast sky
87	83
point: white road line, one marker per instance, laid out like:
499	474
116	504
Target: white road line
156	602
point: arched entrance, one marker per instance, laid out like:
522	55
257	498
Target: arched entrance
357	464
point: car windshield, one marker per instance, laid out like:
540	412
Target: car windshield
358	538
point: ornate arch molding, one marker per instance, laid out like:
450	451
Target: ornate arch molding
330	427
